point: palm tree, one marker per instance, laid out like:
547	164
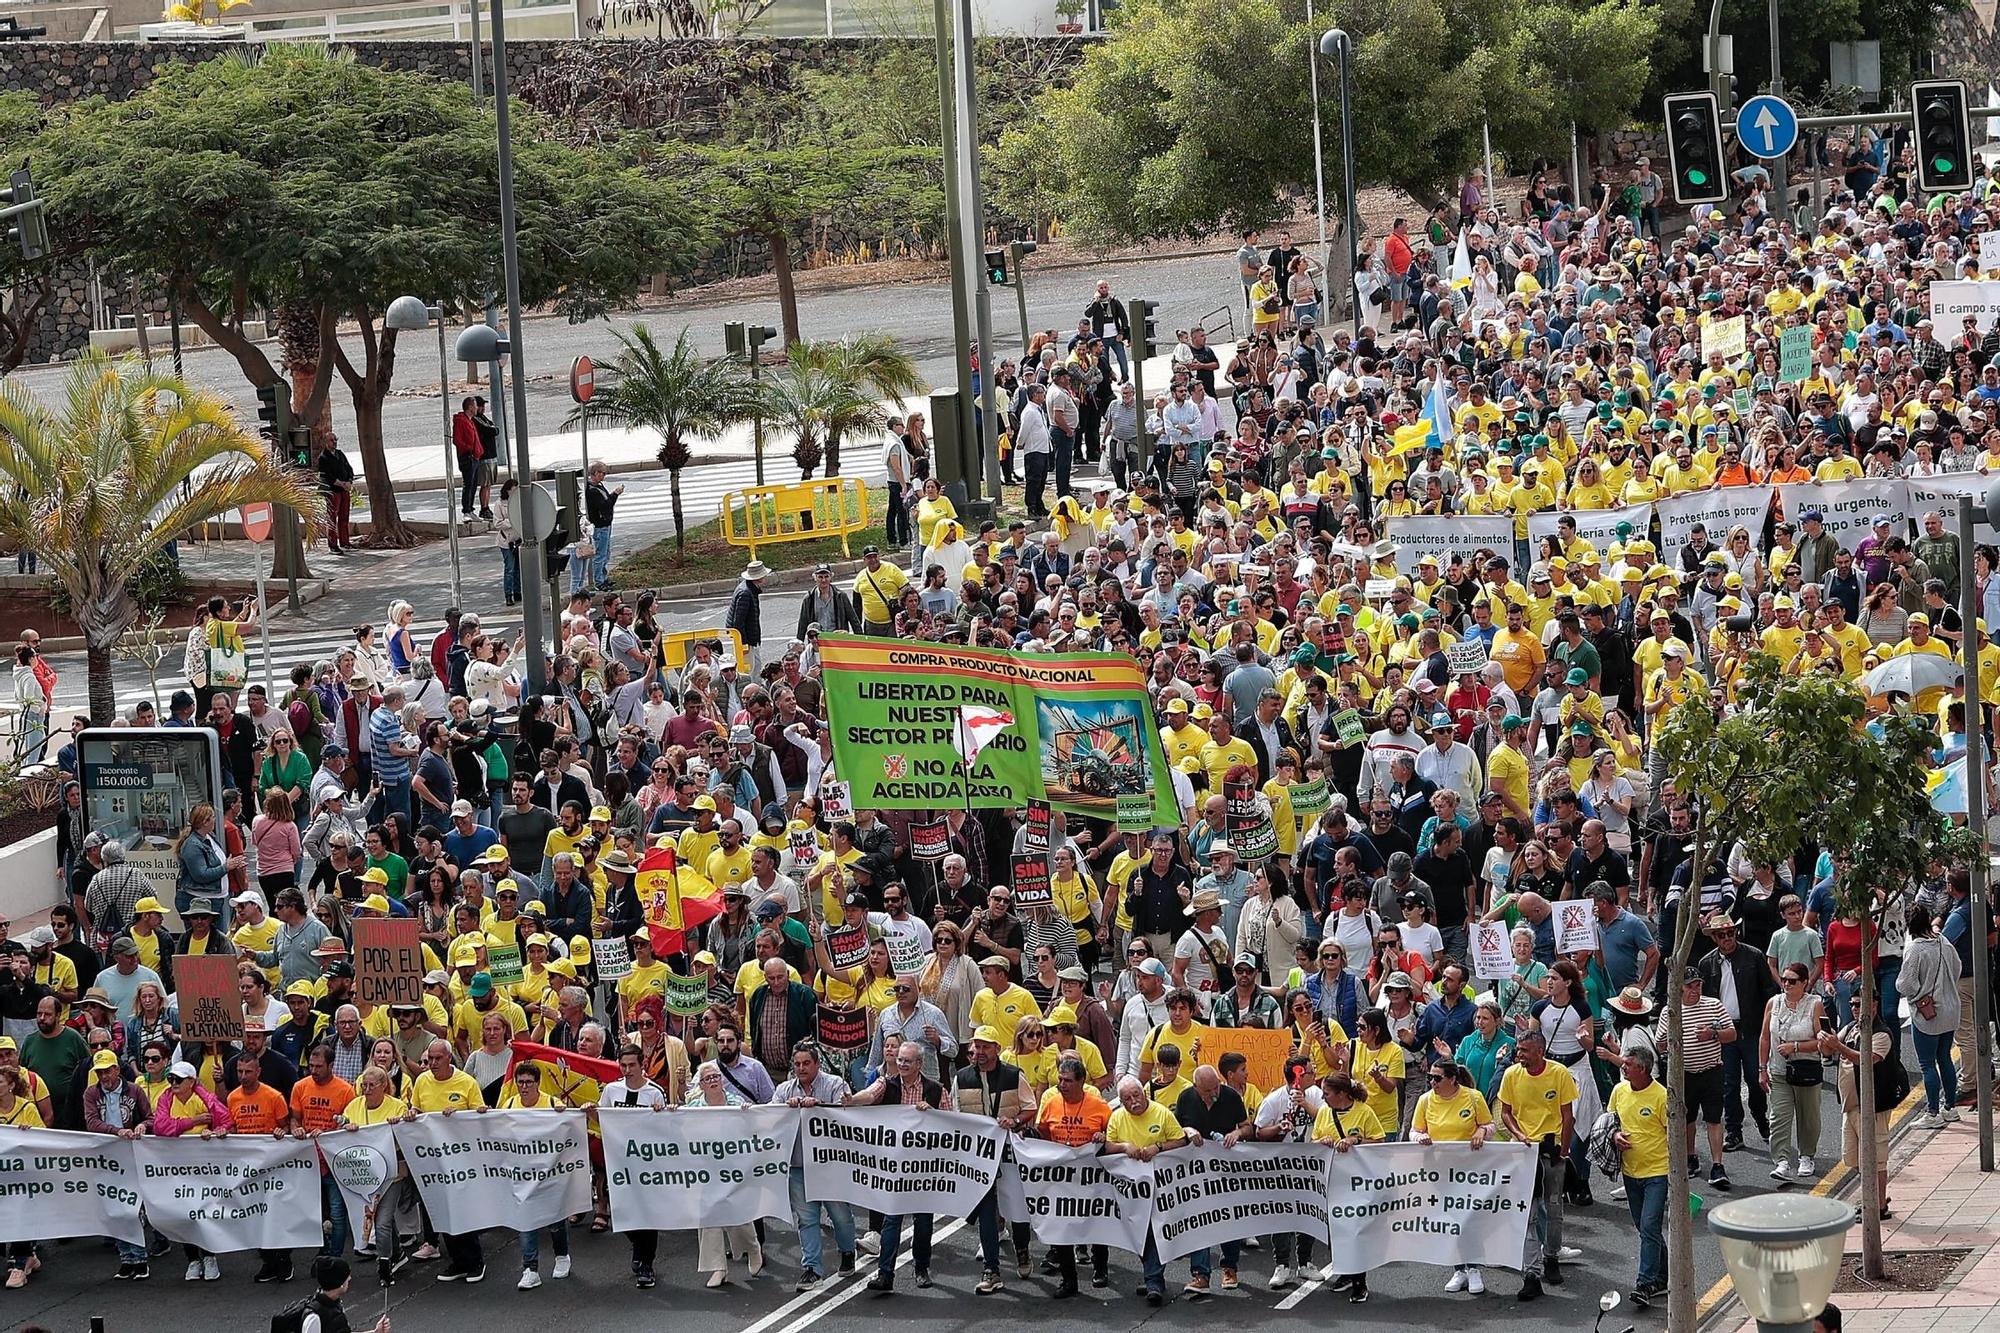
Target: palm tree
875	367
127	461
818	404
675	392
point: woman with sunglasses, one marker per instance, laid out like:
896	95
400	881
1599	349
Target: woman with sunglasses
1789	1047
1451	1112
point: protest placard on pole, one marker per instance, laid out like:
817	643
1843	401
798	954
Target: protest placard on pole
1492	956
261	1194
836	801
1135	812
1466	655
1795	348
1309	799
848	946
841	1028
698	1167
211	1006
613	958
930	840
1723	338
1030	880
388	961
1035	834
530	1168
1247	817
1206	1194
1442	1203
899	1159
503	964
361	1163
685	995
56	1183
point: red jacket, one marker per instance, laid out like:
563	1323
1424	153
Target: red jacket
465	436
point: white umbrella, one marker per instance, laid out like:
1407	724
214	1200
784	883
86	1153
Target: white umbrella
1912	674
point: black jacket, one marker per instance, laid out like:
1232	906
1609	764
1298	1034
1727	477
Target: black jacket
746	614
1754	986
1267	763
598	504
845	619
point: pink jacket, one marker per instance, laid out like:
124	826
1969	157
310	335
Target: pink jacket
171	1126
277	844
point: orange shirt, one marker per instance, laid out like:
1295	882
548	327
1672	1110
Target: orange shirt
1072	1126
316	1106
259	1112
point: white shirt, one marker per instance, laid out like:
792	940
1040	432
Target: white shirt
1455	769
1141	1016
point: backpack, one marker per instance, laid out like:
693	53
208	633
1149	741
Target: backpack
298	1317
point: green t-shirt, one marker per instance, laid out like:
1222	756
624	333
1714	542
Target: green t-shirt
398	871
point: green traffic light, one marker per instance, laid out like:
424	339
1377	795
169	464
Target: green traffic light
1943	165
1696	176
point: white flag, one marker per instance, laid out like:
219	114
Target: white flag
977	727
1461	262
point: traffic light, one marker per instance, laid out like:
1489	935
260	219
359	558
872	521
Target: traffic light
1944	135
996	267
732	338
274	409
1020	251
299	447
1142	316
23	212
1694	148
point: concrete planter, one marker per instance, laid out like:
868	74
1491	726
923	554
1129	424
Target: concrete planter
28	876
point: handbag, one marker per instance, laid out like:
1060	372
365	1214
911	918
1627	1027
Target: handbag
1804	1073
1271	305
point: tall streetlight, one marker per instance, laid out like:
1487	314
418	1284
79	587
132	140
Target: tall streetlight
1319	150
482	342
1335	44
408	314
1782	1253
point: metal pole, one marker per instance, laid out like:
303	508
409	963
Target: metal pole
944	21
510	258
1021	299
756	418
584	424
1780	181
444	410
1575	166
1319	148
972	218
1486	150
1718	82
1353	218
264	627
492	312
1975	824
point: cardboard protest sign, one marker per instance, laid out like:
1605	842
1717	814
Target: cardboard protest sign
388	961
211	1006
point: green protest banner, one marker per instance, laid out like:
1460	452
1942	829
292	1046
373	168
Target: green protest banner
1073	729
503	964
1795	354
685	995
1309	799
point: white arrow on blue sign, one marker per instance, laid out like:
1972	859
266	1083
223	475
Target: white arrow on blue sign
1767	126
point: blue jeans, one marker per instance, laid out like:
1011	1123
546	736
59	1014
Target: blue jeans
510	572
1200	1262
128	1253
892	1244
1115	349
1739	1062
531	1244
600	561
1940	1074
1648	1201
395	798
806	1213
1156	1272
579	572
337	1234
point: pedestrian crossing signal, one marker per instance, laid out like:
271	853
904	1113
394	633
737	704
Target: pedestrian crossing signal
996	268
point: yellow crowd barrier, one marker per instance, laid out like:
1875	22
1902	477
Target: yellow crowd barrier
675	647
803	511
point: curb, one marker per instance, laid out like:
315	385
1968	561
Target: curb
310	590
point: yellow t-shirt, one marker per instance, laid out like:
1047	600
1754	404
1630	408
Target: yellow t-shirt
1451	1121
357	1113
149	945
1359	1119
1507	773
729	868
1004	1011
1149	1051
1538	1099
1153	1127
649	979
25	1115
259	939
1218	759
456	1093
466	1020
1643	1116
1388	1060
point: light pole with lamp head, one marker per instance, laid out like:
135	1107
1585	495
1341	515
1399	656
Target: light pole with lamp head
1335	44
483	342
408	314
1782	1252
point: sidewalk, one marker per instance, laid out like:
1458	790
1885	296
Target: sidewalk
1940	1199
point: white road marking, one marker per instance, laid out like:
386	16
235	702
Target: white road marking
852	1290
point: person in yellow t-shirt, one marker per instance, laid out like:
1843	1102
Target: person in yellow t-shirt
1224	751
1450	1112
1851	641
443	1087
1537	1096
1181	738
1377	1066
648	975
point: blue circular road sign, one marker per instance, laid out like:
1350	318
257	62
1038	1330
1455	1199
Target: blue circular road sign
1767	126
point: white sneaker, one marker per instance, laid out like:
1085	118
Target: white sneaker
756	1258
1618	1191
1781	1170
1475	1281
1568	1254
1805	1168
211	1269
870	1243
1456	1282
194	1271
561	1269
1281	1277
1929	1120
1950	1115
530	1279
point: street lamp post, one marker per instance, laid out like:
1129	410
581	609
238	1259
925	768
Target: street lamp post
1337	45
1319	151
1782	1252
510	261
408	314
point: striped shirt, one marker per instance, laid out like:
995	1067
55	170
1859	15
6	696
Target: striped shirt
1699	1053
384	730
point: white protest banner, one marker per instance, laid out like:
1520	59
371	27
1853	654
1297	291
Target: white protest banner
836	800
1492	955
1717	510
1723	338
1576	925
1466	655
1942	493
1989	254
907	954
1951	302
244	1192
530	1168
1441	535
56	1183
900	1159
1848	508
1599	527
1072	1196
613	958
362	1163
1443	1203
678	1170
1207	1194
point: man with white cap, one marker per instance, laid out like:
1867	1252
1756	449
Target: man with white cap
746	611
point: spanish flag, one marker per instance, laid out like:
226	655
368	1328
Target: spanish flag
676	899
